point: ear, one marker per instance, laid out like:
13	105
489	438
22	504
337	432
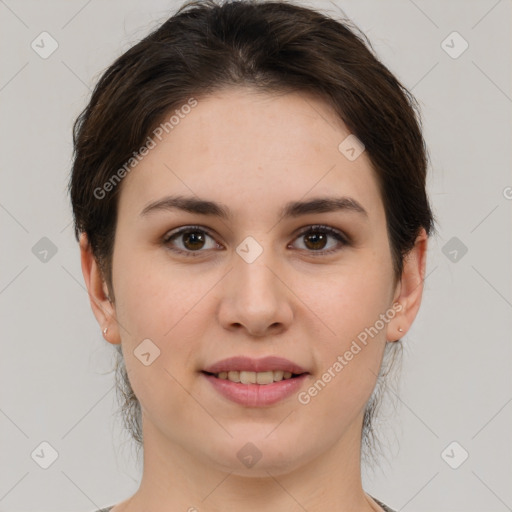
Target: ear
101	304
409	290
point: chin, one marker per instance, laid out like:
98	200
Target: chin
256	454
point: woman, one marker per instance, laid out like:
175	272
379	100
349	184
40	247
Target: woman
249	195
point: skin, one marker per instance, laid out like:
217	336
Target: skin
252	153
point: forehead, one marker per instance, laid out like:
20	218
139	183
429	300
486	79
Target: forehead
242	147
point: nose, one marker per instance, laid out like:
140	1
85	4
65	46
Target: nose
256	297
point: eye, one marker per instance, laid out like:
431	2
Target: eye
192	240
316	238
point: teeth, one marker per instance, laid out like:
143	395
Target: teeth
254	377
234	376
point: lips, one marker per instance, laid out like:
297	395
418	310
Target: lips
247	364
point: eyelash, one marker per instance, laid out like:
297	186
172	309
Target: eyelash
310	229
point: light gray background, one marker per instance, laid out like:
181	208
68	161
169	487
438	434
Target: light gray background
456	383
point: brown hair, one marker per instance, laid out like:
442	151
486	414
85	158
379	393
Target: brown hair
270	46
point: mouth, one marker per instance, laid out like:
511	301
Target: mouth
248	377
255	382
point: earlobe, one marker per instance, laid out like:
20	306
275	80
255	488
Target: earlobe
410	288
101	304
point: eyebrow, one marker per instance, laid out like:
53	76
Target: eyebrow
290	210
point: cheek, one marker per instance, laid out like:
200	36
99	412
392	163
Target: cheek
151	295
355	313
158	302
156	305
354	298
348	365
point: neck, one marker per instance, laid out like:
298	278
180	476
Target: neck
175	479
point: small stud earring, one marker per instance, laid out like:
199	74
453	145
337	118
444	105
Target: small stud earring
400	329
105	331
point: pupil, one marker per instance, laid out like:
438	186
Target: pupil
197	238
316	239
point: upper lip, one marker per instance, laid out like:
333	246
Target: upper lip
263	364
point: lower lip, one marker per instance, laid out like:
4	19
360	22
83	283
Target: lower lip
256	395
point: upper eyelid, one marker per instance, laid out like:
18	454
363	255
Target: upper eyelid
184	229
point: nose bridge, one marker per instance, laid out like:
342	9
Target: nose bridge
252	273
255	297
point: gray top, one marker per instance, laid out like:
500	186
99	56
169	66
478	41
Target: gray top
385	507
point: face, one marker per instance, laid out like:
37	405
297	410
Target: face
303	286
